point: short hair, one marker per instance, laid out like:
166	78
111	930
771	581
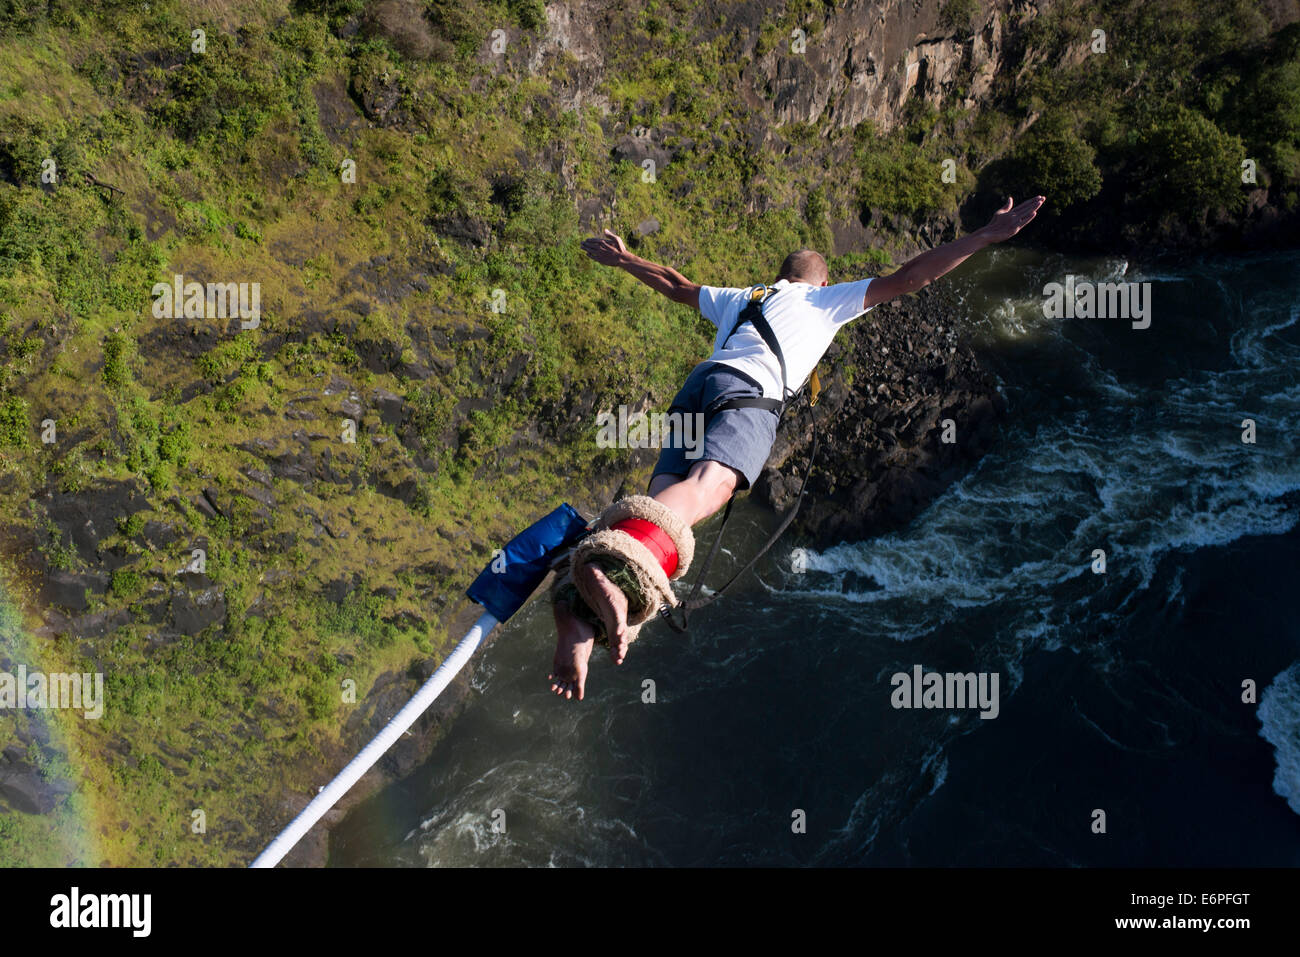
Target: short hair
806	265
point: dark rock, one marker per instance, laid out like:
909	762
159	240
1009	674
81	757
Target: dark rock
339	116
881	459
100	623
406	619
297	466
68	589
193	613
154	612
414	370
339	589
377	95
261	495
56	623
392	407
24	790
90	515
159	534
282	542
210	495
640	145
194	580
434	569
465	227
402	489
403	25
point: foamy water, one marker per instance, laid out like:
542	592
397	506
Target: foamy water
1279	712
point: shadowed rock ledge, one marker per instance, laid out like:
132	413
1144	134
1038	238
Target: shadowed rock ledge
891	382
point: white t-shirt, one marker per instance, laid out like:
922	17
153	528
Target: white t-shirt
804	318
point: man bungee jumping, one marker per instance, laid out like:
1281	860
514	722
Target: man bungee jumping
768	343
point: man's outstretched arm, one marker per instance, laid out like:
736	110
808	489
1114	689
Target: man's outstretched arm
933	263
610	251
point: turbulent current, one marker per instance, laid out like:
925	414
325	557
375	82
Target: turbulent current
1149	708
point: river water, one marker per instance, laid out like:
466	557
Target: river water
772	738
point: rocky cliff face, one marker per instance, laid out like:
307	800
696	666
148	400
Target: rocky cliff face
860	61
868	59
836	67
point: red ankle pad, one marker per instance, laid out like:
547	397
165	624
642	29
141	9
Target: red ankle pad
655	539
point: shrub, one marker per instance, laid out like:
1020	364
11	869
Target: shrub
899	177
159	476
117	348
319	699
1053	160
959	16
227	95
126	583
1268	107
531	14
1184	163
152	770
15	425
175	446
131	525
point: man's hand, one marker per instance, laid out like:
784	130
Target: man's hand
607	250
1008	221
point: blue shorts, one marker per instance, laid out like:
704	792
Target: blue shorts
740	438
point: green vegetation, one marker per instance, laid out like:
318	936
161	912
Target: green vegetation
1053	161
1142	142
14	424
126	583
959	16
902	172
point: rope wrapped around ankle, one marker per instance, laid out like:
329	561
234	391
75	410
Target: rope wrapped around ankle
636	559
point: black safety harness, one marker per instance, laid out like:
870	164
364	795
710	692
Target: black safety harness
753	313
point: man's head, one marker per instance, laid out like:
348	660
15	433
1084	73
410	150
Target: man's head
806	265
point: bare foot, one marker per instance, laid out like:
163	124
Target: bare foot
611	605
574	641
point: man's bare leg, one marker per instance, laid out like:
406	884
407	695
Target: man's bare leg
704	490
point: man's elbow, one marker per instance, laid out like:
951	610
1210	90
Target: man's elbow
911	281
687	294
